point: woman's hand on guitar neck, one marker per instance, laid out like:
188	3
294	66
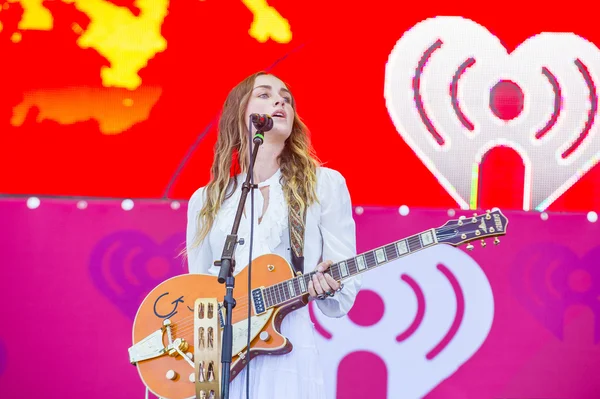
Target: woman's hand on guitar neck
322	284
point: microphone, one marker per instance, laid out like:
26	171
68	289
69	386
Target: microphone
262	122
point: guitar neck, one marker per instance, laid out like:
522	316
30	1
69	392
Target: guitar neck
298	286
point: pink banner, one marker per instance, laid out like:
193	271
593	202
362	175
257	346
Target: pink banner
509	321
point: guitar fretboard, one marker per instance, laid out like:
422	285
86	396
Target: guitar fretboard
296	287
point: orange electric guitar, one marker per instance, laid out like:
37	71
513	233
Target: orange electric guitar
174	326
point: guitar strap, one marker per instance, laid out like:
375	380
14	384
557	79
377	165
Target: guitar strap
297	223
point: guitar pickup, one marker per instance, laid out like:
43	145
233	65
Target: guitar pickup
258	301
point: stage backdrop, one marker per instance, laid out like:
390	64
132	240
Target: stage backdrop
516	320
459	104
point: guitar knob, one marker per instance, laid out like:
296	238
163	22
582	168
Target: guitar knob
264	336
171	375
470	247
496	241
192	377
483	243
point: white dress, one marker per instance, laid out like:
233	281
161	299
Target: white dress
330	235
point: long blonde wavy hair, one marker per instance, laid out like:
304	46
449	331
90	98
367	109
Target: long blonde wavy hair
297	161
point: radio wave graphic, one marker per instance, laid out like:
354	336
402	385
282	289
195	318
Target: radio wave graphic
460	311
370	305
497	97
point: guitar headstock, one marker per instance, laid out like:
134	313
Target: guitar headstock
477	227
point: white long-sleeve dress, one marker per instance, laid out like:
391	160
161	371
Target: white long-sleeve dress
330	235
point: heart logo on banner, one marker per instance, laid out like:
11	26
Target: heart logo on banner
548	278
414	323
540	100
125	266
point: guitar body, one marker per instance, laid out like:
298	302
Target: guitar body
174	300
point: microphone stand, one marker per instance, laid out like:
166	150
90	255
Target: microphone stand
227	264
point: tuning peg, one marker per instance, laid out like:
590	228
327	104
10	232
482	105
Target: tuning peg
483	243
470	247
496	241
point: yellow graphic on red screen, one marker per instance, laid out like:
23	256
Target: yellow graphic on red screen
267	23
128	42
35	15
125	40
115	109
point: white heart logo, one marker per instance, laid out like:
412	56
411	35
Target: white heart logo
453	93
435	311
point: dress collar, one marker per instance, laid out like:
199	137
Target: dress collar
273	180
